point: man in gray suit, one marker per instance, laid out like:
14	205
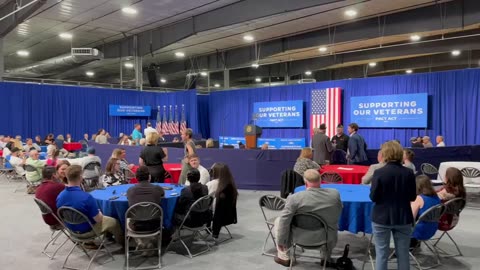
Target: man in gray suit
357	148
367	178
324	203
321	144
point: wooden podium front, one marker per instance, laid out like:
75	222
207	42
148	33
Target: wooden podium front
251	132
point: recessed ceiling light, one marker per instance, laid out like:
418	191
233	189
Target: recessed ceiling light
408	71
180	54
129	10
351	13
308	73
128	65
415	37
456	52
248	38
203	74
23	53
322	49
372	64
258	79
65	35
216	85
162	80
90	73
255	65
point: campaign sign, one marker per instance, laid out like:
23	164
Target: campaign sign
278	114
127	110
223	140
392	111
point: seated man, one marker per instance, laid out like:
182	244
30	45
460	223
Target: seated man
194	162
91	157
426	142
48	192
29	145
73	196
17	160
367	178
440	142
32	160
324	203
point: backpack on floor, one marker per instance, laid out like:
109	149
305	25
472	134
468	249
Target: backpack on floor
345	263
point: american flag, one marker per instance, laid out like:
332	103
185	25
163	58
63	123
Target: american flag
326	109
183	121
175	122
158	125
171	125
164	121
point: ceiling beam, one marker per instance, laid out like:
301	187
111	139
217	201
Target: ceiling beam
238	12
16	14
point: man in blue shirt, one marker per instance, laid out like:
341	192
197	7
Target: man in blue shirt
73	196
136	134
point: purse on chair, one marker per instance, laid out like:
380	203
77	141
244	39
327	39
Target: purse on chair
345	263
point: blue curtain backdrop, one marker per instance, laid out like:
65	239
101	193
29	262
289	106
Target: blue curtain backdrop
203	116
454	109
30	109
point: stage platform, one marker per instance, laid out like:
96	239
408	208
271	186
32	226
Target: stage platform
261	169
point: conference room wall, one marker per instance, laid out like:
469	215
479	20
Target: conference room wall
454	110
31	109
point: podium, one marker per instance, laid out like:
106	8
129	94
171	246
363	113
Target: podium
251	132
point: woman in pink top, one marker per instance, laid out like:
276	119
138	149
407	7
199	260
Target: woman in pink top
52	160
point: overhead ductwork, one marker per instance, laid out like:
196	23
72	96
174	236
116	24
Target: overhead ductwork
59	64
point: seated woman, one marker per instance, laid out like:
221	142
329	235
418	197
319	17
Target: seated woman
305	162
53	158
101	136
120	154
426	198
453	188
408	156
113	174
124	140
189	195
61	170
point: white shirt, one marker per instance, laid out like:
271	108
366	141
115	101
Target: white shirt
212	187
17	165
6	152
26	147
148	130
204	176
441	144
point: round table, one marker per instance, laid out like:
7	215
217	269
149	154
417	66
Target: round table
173	168
357	207
459	165
117	208
351	174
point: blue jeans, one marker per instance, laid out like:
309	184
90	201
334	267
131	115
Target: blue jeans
401	237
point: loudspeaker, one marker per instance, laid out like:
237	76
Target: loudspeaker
152	77
191	81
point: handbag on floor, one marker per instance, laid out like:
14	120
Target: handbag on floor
345	263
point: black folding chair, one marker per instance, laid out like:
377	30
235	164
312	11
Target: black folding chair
331	178
453	208
273	204
91	176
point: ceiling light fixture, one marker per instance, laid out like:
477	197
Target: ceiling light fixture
409	71
456	52
351	13
23	53
308	73
128	65
248	38
258	79
255	65
90	73
372	64
129	10
216	85
180	54
322	49
203	74
162	80
415	37
65	36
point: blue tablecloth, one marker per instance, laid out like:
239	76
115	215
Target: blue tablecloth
357	207
117	208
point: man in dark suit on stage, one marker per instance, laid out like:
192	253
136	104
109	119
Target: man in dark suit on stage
357	148
322	147
340	140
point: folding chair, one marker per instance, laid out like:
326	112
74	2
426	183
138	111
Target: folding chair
202	205
309	222
91	176
331	178
470	172
143	212
433	214
11	174
29	168
56	231
71	216
368	254
430	170
271	203
448	222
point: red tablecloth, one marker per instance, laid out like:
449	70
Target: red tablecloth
173	168
73	146
351	174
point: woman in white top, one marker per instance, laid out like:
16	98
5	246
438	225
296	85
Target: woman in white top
101	137
222	185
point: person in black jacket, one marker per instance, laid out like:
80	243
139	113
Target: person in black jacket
189	195
393	188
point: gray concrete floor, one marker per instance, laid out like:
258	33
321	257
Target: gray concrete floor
23	235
